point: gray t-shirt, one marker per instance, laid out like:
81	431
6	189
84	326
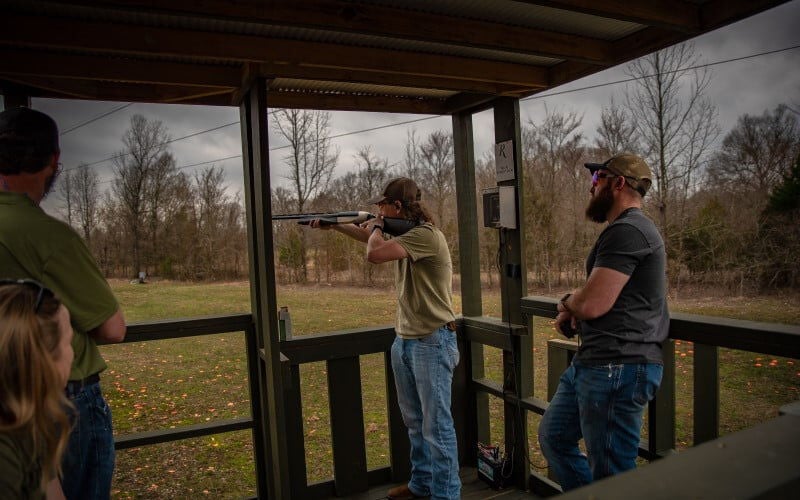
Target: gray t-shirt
638	322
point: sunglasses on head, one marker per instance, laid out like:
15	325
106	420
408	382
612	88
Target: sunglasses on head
41	290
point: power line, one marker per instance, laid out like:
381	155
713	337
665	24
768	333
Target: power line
679	70
76	127
541	96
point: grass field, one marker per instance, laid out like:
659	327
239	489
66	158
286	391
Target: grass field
167	384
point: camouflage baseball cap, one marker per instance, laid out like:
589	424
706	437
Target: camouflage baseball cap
630	166
401	189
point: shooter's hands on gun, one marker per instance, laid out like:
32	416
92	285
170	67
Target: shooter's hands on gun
358	232
376	222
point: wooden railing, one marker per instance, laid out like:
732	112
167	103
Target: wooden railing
211	325
341	351
708	334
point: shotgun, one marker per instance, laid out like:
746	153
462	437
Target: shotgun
391	225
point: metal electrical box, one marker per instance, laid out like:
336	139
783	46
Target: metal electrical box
500	207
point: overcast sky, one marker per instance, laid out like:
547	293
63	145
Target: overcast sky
751	86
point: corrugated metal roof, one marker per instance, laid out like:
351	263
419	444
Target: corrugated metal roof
356	88
521	14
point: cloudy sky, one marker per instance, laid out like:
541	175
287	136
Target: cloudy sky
750	85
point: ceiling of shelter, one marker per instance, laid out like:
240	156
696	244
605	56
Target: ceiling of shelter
412	56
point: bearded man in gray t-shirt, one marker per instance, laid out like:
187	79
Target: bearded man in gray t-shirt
622	319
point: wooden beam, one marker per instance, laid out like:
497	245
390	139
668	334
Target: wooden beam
350	102
118	91
302	72
36	31
386	21
677	15
102	67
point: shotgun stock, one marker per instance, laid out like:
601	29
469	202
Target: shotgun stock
391	225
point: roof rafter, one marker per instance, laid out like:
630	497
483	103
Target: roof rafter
122	38
384	21
677	15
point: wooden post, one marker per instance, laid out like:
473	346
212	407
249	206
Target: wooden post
470	408
518	363
706	393
661	410
253	113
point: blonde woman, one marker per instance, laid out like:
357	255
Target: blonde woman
35	359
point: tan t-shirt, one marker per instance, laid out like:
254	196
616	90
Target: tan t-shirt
424	283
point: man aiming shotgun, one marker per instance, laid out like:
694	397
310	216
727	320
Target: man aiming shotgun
424	353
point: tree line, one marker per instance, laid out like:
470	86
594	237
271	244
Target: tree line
728	210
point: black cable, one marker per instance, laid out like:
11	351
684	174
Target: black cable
76	127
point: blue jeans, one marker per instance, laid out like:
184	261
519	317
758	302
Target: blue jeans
88	463
604	405
423	375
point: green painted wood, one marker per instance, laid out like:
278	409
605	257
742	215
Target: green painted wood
756	463
470	409
190	431
752	336
559	356
347	426
466	203
256	408
188	327
295	436
706	393
661	410
255	156
339	344
518	363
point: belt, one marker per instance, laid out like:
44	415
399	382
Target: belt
76	385
451	326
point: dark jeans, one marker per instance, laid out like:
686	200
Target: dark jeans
88	463
605	406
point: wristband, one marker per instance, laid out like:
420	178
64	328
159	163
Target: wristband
563	302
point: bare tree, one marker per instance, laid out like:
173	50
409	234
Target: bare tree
677	125
87	196
616	132
311	160
67	192
145	149
759	151
437	173
554	147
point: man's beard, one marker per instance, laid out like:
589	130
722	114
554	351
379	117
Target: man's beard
599	205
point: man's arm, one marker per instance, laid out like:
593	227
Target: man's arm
380	250
597	297
111	331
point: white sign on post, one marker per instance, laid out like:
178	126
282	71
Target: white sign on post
504	160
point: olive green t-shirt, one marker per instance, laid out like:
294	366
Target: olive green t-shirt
37	246
20	472
424	283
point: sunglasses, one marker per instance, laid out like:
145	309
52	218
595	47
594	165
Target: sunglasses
41	290
597	175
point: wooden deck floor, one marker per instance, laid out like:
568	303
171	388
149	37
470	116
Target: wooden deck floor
472	488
